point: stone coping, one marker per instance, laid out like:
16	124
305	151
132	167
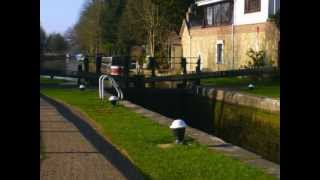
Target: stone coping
238	98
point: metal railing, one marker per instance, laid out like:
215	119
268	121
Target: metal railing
113	84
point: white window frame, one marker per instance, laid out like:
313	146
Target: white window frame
222	51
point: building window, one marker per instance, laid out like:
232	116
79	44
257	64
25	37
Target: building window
219	52
252	6
218	14
209	15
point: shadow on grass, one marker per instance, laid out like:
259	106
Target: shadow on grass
123	164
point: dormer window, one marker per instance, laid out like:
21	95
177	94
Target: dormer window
251	6
218	14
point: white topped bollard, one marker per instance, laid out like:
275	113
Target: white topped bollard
82	87
113	100
178	127
251	86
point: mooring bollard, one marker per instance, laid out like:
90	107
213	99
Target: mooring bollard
251	86
82	87
113	100
178	127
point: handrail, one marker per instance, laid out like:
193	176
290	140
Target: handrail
113	83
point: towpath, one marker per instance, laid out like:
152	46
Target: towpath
73	150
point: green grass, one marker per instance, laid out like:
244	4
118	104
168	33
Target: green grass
264	87
139	136
46	81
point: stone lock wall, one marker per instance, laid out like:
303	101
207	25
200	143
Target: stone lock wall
202	41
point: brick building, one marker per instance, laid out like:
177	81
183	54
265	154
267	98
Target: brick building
221	32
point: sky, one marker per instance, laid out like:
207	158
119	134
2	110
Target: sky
58	15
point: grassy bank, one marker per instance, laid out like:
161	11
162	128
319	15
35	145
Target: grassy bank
140	137
263	87
49	81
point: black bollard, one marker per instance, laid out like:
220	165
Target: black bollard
178	127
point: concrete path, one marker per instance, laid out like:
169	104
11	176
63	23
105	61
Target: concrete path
70	154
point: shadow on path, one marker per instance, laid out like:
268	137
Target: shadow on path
110	153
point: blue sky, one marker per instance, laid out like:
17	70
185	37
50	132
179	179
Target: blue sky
59	15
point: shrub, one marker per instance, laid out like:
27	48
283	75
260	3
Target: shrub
257	58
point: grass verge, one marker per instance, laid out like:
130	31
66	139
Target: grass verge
49	81
140	138
263	87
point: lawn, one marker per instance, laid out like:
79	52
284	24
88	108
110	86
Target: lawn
263	87
139	137
46	81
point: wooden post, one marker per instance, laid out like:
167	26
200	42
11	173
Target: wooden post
98	64
79	74
184	70
197	82
126	69
152	61
86	64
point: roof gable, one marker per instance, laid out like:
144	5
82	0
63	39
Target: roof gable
183	26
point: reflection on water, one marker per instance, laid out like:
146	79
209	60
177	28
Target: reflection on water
60	64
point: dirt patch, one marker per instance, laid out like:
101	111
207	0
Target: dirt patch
165	146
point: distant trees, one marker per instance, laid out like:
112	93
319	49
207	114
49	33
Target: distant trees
150	22
43	39
115	26
71	37
52	43
56	43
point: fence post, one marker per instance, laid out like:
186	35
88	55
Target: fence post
184	65
126	69
152	62
79	74
197	82
184	70
98	64
86	64
152	66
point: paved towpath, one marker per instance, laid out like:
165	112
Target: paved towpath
73	150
